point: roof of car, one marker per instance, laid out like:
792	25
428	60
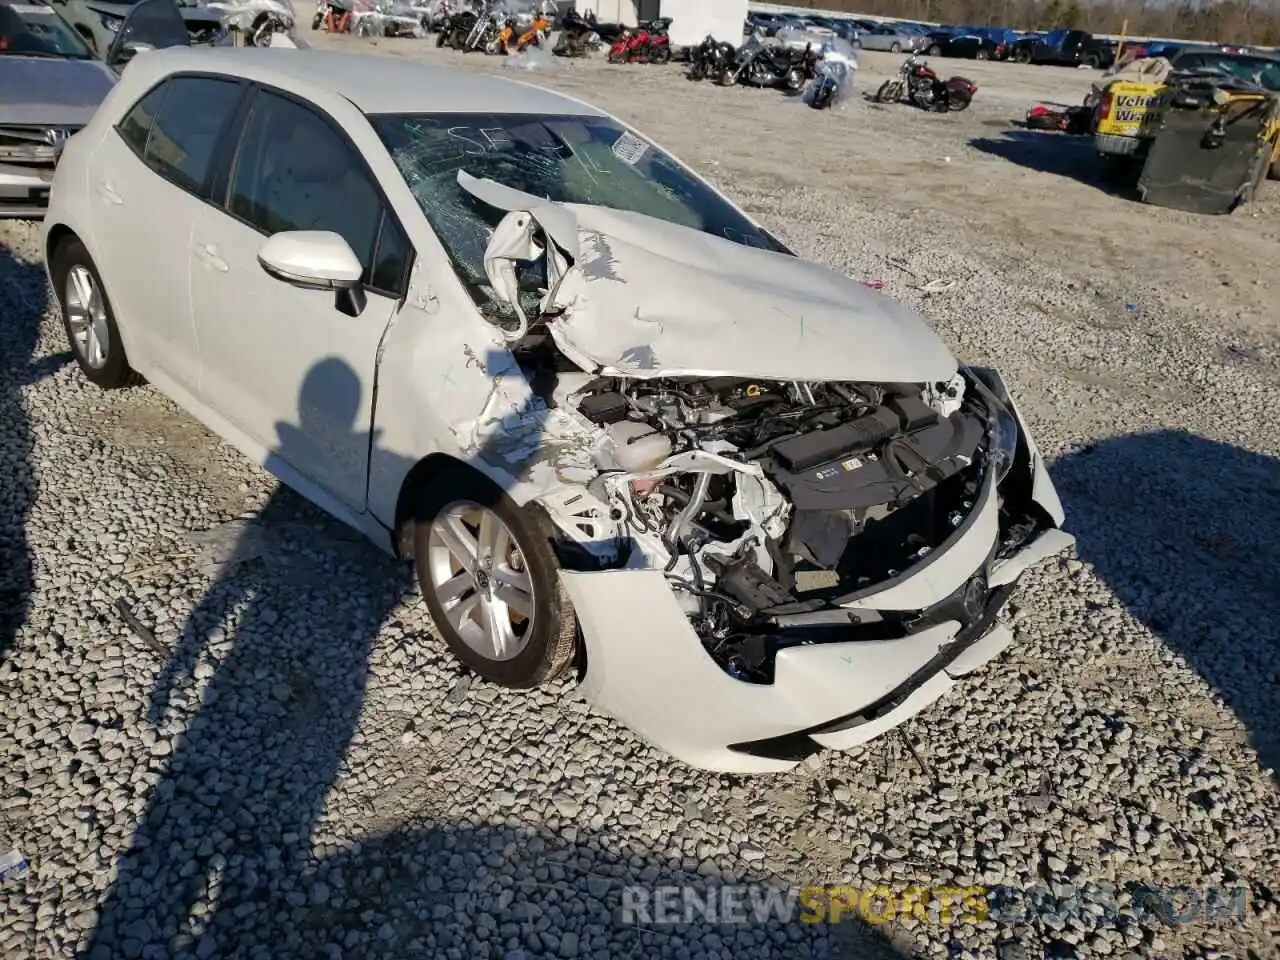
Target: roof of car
375	84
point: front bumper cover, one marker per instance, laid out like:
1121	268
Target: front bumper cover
647	667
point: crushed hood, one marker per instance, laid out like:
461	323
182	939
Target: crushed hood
646	298
38	91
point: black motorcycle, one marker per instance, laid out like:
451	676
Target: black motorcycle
759	64
576	33
709	58
456	29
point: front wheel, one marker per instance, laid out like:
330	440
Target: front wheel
88	319
889	92
895	48
1022	56
661	55
440	39
491	580
793	81
616	57
982	55
1273	171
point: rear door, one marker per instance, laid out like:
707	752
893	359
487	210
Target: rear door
148	179
281	362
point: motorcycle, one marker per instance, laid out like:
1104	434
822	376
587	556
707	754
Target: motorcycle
833	77
534	34
648	43
918	84
456	29
577	36
485	31
709	57
333	15
761	64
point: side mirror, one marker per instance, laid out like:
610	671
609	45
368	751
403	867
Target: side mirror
316	260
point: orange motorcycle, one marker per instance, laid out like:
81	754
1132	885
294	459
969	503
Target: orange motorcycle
533	37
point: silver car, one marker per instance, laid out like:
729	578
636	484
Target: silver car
877	36
50	86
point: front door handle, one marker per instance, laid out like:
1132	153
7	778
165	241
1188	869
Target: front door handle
209	255
108	193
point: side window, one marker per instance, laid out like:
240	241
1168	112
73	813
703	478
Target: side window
294	172
390	258
186	127
136	124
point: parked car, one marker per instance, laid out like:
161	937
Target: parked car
941	44
52	85
98	21
1068	48
673	507
875	36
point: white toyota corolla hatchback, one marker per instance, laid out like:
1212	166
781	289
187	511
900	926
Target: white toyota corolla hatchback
614	423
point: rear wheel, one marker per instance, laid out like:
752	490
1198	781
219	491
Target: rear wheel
1022	55
895	48
88	319
982	55
661	55
935	51
1092	61
491	580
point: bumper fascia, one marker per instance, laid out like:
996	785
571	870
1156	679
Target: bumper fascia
24	191
646	666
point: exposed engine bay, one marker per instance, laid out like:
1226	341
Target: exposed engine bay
769	504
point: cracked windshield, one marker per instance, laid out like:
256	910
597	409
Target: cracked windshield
587	160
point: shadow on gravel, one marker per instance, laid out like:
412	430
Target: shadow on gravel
222	862
1184	531
25	295
1060	155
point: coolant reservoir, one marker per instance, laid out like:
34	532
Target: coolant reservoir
636	445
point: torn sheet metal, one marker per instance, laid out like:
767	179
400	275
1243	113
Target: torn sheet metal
242	14
648	298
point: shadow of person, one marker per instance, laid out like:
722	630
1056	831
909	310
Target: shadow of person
502	890
1183	531
283	639
26	303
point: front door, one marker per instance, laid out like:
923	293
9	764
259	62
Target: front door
281	362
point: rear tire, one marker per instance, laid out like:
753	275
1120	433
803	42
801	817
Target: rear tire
935	51
895	48
982	55
88	318
541	645
661	55
1022	55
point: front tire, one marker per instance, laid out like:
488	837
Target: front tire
889	92
982	55
895	48
88	319
491	580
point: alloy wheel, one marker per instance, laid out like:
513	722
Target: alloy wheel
481	580
87	317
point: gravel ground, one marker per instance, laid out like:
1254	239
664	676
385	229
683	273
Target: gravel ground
283	763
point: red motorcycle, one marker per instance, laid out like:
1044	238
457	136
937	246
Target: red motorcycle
917	83
648	43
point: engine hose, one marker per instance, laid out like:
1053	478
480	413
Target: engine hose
676	530
716	507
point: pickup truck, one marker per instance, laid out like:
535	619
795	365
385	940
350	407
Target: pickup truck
1067	48
1129	112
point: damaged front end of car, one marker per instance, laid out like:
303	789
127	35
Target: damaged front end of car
783	533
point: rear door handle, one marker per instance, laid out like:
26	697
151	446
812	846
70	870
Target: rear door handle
209	255
108	193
